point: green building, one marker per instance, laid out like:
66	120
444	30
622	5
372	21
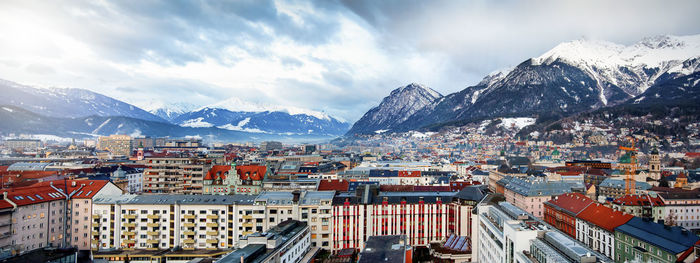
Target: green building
644	240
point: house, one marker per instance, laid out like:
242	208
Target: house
646	241
595	227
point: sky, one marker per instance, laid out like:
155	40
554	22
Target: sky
339	57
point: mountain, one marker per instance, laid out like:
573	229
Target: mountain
395	109
269	122
169	111
20	121
58	102
573	77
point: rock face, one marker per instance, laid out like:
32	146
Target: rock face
573	77
395	109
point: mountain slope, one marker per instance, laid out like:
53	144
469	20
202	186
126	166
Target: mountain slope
20	121
573	77
276	122
68	102
395	108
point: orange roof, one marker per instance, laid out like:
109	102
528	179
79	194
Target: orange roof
217	171
639	200
79	188
573	203
336	184
604	217
29	195
255	172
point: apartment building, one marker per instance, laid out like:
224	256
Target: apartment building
424	217
175	175
289	241
507	233
31	218
530	193
80	194
115	144
595	227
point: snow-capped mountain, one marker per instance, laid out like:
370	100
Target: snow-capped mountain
257	119
395	108
169	111
573	77
66	102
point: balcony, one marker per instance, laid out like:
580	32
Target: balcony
128	241
153	224
152	241
188	233
129	224
95	216
247	224
247	217
212	216
212	224
94	242
212	241
188	224
129	233
153	233
95	225
212	233
189	216
188	241
153	216
128	216
95	233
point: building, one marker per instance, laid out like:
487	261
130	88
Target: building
646	241
115	144
681	208
595	227
613	188
289	241
157	222
423	217
561	211
270	146
530	193
218	181
167	175
506	233
455	249
643	205
392	248
23	144
655	164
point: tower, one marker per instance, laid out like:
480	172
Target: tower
139	152
654	164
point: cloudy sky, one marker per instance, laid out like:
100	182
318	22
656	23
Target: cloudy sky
340	57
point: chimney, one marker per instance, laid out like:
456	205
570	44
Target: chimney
295	196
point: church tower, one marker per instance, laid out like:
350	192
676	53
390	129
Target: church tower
655	164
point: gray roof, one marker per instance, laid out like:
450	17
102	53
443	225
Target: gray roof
383	249
175	199
531	186
27	166
285	198
619	183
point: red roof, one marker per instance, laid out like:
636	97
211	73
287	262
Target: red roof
9	178
333	185
78	188
573	203
639	200
217	171
254	172
692	154
604	217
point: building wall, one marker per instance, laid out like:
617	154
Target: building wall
560	220
175	175
531	204
625	252
38	225
596	238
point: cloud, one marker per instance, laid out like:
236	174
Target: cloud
341	57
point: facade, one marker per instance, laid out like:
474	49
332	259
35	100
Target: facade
115	144
615	188
595	227
170	175
506	233
561	211
681	208
646	241
79	208
423	217
289	241
166	221
530	193
218	181
25	144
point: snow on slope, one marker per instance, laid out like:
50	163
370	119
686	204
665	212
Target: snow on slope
236	105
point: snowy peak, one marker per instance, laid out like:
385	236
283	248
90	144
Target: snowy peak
395	108
237	105
649	52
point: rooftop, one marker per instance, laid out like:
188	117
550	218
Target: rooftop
604	217
384	249
672	239
572	203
